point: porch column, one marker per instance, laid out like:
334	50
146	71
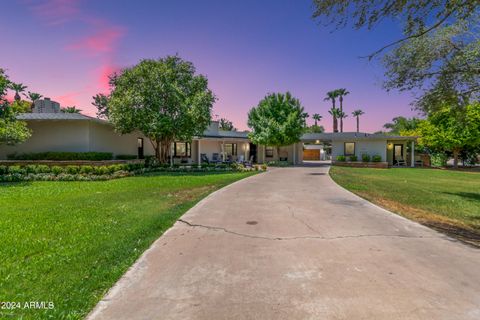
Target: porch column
245	151
412	160
199	158
295	153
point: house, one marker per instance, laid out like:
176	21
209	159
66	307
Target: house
79	133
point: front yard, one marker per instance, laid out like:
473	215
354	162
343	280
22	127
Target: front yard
69	242
448	201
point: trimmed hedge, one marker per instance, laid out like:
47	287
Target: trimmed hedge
62	156
376	158
125	157
341	158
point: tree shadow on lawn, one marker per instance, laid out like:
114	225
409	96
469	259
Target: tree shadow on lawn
467	195
15	184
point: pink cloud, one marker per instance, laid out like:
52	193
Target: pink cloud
67	99
101	42
103	74
54	12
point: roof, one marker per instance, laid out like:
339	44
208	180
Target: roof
226	134
343	136
54	116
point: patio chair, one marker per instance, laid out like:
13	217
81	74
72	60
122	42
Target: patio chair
249	163
229	159
418	161
204	158
401	162
216	158
241	159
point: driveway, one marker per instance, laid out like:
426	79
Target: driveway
291	244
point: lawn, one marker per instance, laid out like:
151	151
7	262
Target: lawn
69	242
446	200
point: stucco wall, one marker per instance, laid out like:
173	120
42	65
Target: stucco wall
370	147
209	147
71	135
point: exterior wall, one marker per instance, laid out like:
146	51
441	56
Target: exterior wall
71	135
211	146
103	138
287	151
370	147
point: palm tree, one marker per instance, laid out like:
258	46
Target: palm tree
33	96
317	118
335	112
357	113
342	92
332	96
18	88
70	110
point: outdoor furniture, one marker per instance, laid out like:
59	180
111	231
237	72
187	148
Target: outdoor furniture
400	162
229	159
418	161
216	158
249	163
204	158
241	159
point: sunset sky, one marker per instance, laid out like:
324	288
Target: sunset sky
64	49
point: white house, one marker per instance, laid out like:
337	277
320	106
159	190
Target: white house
79	133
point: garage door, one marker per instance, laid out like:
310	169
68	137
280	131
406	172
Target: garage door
311	154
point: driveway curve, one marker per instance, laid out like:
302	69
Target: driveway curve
292	244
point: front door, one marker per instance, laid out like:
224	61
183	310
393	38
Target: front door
397	153
140	148
253	152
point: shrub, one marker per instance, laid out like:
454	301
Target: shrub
65	156
72	169
125	157
42	168
3	169
86	169
101	170
438	160
353	158
341	158
365	158
264	167
16	170
376	158
56	170
31	168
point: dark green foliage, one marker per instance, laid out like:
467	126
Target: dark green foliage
125	156
352	158
62	156
365	158
341	158
376	158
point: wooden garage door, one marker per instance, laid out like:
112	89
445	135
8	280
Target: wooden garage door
311	154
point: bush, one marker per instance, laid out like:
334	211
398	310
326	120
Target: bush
16	170
72	169
86	169
365	158
125	157
62	156
42	168
376	158
101	170
341	158
56	170
353	158
264	167
3	169
438	160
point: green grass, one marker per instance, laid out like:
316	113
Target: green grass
444	199
69	242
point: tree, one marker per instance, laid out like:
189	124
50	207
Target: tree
357	113
331	96
33	96
72	109
12	131
317	118
227	125
315	129
335	112
439	51
401	124
164	99
278	120
101	102
452	130
18	88
342	92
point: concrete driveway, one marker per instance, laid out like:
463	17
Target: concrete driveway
291	244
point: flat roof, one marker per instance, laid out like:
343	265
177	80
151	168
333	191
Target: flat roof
343	136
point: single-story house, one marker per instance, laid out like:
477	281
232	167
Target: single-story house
79	133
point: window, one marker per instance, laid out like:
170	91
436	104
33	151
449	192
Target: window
231	149
269	152
182	149
349	148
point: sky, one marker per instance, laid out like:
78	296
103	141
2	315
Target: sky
65	50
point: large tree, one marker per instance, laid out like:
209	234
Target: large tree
278	120
452	130
342	92
335	112
164	99
12	131
357	113
227	125
438	54
401	124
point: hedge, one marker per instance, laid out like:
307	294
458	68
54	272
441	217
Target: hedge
65	156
